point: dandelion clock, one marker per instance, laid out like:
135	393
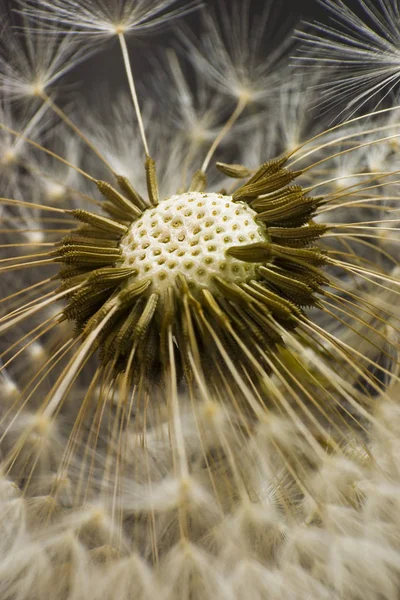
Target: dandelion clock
199	315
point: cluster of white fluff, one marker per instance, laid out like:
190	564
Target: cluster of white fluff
340	539
203	497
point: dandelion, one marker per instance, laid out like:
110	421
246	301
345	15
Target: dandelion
29	66
200	326
107	18
361	52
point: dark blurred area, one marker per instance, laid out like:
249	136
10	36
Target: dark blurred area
285	13
105	67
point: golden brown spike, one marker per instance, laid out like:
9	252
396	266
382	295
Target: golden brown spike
257	253
103	223
199	182
151	177
121	203
130	192
235	171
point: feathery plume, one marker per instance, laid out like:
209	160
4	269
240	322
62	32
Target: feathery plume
199	335
360	53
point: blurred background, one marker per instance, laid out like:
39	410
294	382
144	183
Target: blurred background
284	15
106	66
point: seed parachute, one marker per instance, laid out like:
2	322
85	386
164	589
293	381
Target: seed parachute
200	314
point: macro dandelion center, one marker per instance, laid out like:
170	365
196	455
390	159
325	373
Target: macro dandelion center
199	352
191	265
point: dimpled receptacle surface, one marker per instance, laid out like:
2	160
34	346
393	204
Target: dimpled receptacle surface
189	234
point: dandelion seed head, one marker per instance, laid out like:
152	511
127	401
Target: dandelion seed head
36	351
189	234
103	18
9	387
229	430
227	53
54	191
360	51
8	157
31	63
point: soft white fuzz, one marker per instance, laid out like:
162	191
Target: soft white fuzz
214	439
